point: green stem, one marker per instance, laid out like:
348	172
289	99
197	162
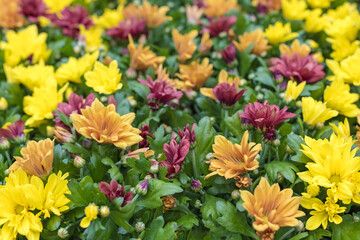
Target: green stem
8	158
285	236
196	168
285	156
277	154
224	115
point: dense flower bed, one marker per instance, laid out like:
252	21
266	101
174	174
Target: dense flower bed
159	120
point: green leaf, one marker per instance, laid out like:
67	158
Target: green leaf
265	78
177	118
233	220
188	221
233	123
157	143
119	220
246	58
287	169
114	171
142	90
156	190
285	129
156	231
77	148
300	236
294	141
53	223
138	166
346	230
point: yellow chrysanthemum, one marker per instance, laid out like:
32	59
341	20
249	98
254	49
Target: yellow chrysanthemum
301	50
110	18
42	103
257	38
92	36
342	47
279	33
314	22
345	28
293	90
9	14
342	130
104	79
37	158
74	69
3	104
322	212
338	97
24	44
56	6
294	9
217	8
347	70
33	76
232	160
91	212
333	166
344	10
105	125
18	198
195	74
319	3
271	208
315	112
184	44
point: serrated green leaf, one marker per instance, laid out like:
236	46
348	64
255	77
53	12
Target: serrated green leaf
157	231
188	221
287	169
53	223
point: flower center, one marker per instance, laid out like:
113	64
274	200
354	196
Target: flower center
19	209
335	179
265	218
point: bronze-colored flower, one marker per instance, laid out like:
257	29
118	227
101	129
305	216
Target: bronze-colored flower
169	202
184	44
10	16
105	125
243	181
256	37
37	158
195	74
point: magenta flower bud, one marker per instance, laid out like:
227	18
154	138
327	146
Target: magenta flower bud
113	191
196	185
111	100
188	133
227	94
4	143
228	54
142	187
221	24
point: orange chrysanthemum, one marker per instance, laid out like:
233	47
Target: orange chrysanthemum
233	159
301	50
105	125
217	8
195	74
154	16
184	44
206	43
256	37
37	158
269	5
9	14
142	57
271	208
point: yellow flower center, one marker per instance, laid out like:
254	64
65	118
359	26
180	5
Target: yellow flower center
19	209
265	218
335	179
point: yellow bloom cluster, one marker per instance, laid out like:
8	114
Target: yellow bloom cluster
24	199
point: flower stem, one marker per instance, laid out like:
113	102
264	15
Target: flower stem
8	158
224	115
196	168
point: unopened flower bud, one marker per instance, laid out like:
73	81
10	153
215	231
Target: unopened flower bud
289	150
279	177
139	227
62	135
223	34
260	96
86	143
235	194
131	72
212	120
198	204
209	156
300	227
243	181
4	143
63	233
320	125
276	142
251	75
3	104
6	172
242	82
257	88
50	131
154	167
132	102
356	218
142	187
299	104
79	162
104	211
196	185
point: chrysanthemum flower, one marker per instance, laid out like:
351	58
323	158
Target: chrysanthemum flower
315	112
342	47
195	74
294	9
279	33
91	37
184	44
193	14
18	198
257	38
302	50
105	125
136	153
343	28
265	117
33	76
175	156
228	54
110	17
113	191
25	44
132	26
342	130
9	14
322	212
271	208
153	15
145	132
222	24
319	3
293	90
43	101
104	79
226	91
33	9
206	43
55	6
338	97
217	8
91	212
74	69
298	68
266	6
37	158
232	160
14	131
188	133
315	21
347	70
142	57
161	92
